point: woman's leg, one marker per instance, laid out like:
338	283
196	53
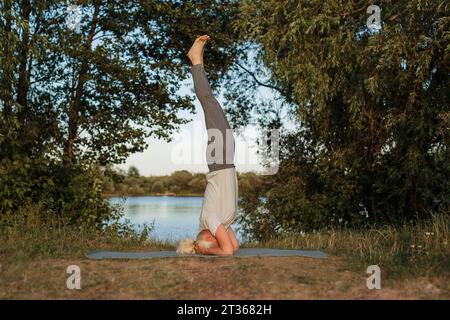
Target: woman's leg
215	119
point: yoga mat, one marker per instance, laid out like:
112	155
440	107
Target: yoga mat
244	252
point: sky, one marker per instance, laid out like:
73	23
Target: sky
187	151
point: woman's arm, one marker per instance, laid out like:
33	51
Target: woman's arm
225	244
233	239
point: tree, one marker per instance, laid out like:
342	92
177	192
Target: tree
180	179
133	171
371	108
175	189
116	87
158	187
198	183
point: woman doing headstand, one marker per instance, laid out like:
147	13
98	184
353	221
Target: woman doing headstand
215	237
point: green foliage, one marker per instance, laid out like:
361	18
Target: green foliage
34	232
198	183
179	182
418	249
133	171
372	112
158	187
75	192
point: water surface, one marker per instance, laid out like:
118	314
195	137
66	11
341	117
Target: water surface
173	217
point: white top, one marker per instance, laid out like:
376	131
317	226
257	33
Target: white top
220	200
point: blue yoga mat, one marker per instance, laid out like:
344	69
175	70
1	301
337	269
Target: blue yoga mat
244	252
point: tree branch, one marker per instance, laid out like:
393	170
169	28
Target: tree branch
259	82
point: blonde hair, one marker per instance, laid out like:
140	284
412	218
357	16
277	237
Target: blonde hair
187	246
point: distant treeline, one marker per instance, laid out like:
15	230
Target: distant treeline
182	182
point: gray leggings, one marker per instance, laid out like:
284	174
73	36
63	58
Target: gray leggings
221	145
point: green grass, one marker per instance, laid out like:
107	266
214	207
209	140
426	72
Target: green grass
419	249
29	234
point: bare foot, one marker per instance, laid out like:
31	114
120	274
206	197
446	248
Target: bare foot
195	54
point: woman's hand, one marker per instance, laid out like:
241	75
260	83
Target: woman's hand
200	249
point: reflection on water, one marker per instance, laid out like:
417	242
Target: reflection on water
174	217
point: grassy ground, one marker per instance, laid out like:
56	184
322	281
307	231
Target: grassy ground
35	254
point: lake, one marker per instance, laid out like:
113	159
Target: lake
174	218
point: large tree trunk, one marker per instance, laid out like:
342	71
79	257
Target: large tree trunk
76	106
